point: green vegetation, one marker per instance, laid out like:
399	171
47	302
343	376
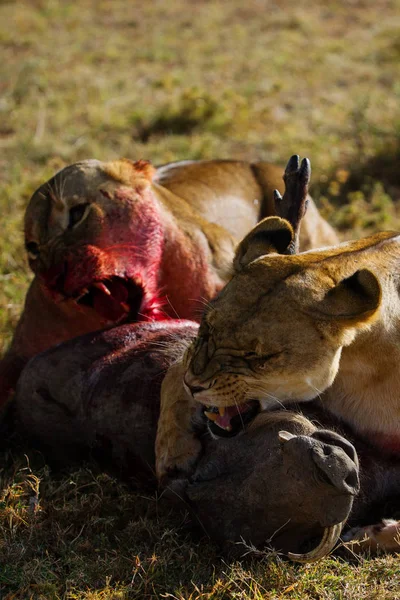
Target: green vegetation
168	81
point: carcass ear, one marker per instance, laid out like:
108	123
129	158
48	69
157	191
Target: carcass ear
354	300
272	234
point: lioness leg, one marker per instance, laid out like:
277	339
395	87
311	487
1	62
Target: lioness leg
177	449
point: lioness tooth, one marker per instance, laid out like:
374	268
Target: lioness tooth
211	416
99	285
83	293
125	306
221	410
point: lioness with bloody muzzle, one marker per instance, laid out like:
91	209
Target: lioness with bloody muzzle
118	242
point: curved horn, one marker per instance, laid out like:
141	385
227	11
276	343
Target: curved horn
293	205
329	539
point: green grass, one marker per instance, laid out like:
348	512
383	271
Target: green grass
167	81
84	535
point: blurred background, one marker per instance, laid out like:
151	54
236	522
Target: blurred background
169	80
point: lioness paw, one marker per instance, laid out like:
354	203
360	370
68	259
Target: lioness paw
384	535
176	460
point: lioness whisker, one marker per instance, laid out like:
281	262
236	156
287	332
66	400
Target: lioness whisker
319	392
240	414
173	308
203	301
259	388
63	182
57	189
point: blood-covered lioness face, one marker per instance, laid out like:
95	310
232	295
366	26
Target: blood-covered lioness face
94	237
275	333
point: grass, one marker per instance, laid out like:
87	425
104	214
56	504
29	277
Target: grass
167	81
84	535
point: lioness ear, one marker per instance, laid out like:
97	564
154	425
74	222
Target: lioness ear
355	299
272	234
130	173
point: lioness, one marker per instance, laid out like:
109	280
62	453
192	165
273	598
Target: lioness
121	241
287	329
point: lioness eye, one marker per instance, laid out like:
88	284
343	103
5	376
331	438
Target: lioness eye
32	249
76	214
262	361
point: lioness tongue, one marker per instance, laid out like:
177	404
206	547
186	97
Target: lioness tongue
224	420
110	299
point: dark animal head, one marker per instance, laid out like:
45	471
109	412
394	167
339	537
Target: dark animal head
282	483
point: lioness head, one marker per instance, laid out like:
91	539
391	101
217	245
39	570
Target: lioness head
94	237
275	333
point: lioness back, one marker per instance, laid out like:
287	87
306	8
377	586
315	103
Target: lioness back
237	194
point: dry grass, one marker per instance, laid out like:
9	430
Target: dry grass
166	81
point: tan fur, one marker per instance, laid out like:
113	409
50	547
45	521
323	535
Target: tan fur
287	328
129	172
175	444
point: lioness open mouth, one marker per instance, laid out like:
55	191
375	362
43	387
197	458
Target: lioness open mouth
228	421
114	299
